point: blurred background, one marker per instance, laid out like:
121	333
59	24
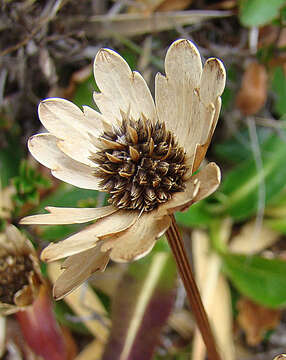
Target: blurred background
235	239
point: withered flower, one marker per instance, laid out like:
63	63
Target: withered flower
143	154
20	274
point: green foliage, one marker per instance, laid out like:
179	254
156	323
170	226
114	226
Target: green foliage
10	158
259	12
277	225
261	279
197	215
67	196
279	87
229	94
3	224
84	91
64	316
238	147
27	185
240	188
130	58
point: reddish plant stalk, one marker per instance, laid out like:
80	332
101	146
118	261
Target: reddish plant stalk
177	246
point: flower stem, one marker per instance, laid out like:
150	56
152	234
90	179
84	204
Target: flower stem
185	271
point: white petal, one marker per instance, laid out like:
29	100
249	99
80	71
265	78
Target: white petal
176	94
205	131
87	238
212	81
95	119
138	240
78	149
79	268
121	89
60	215
67	122
187	98
61	118
45	150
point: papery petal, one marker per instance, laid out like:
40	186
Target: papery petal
45	150
206	136
212	81
121	89
138	240
176	94
94	117
187	98
87	238
78	268
66	121
62	117
61	215
198	187
14	242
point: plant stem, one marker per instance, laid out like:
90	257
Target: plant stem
185	271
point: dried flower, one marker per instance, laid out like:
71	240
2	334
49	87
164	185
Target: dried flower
143	155
20	275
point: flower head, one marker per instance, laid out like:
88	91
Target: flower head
20	275
142	153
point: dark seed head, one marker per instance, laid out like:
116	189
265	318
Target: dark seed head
140	164
14	275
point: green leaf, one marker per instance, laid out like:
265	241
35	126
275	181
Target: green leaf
63	313
58	232
278	225
196	215
279	87
262	280
240	189
238	148
84	91
140	308
27	185
259	12
68	196
10	157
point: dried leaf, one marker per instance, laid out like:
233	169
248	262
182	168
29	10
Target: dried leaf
256	320
92	351
253	239
2	335
174	5
136	24
215	294
183	323
147	7
253	92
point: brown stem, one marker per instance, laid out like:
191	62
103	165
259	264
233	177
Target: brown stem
185	271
